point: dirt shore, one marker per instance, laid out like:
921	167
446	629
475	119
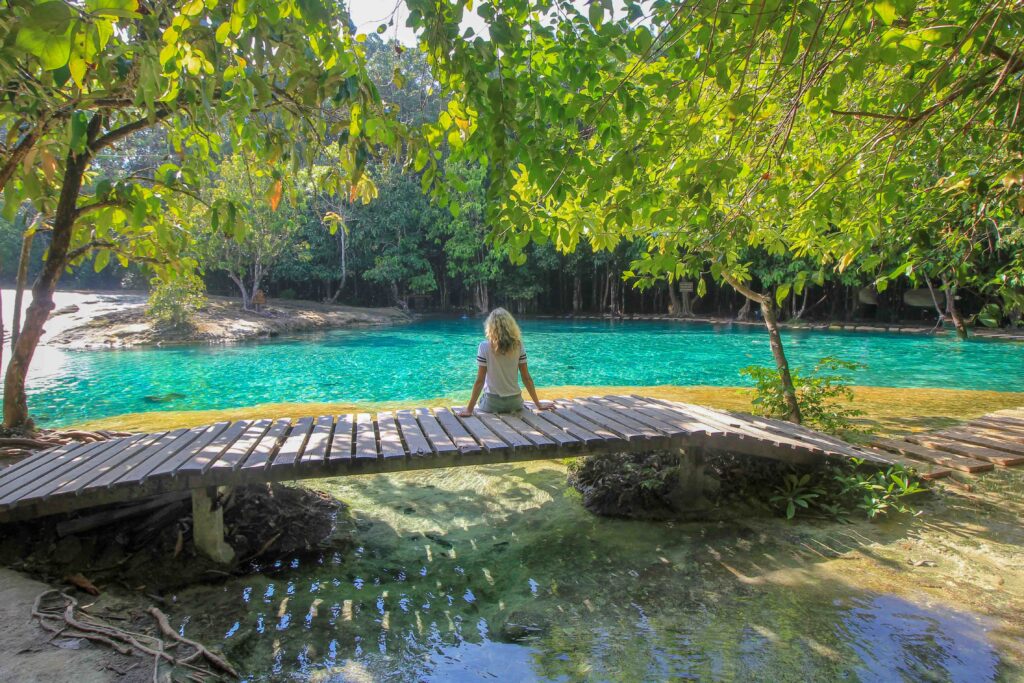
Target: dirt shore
98	321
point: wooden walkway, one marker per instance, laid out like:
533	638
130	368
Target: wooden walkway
983	444
80	476
253	451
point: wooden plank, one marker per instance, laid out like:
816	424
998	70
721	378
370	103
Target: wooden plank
238	451
608	426
265	448
510	436
17	469
488	439
343	440
198	448
459	435
290	451
415	442
48	470
73	481
685	419
155	456
537	437
974	439
366	439
994	433
680	420
746	429
1002	427
942	459
585	436
74	469
607	436
638	412
141	453
390	438
563	438
319	440
976	452
439	440
617	414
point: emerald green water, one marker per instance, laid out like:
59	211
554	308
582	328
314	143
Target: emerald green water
497	573
435	358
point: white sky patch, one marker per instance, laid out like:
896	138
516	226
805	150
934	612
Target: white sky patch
367	15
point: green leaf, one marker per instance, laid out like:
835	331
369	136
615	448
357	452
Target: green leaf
782	292
53	50
52	17
886	11
596	13
101	261
79	125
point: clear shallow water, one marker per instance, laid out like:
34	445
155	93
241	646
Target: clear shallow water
494	573
435	358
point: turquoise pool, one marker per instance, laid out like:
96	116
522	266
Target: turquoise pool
435	358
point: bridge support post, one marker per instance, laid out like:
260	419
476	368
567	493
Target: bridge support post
692	480
208	525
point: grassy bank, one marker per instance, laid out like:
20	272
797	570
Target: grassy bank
885	409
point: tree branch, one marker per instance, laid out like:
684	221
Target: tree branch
744	290
118	134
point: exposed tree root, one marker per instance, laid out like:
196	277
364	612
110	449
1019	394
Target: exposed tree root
18	445
68	619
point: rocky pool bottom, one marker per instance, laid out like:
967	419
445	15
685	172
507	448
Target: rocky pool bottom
498	572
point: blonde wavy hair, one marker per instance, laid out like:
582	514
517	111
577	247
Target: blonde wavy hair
502	332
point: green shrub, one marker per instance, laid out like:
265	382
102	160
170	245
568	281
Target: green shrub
174	299
838	491
820	394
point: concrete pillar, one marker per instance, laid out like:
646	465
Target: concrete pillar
208	525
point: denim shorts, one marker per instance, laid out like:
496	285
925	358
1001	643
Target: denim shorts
492	403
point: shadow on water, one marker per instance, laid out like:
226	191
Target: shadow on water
496	572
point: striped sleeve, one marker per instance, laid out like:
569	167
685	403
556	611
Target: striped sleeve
522	353
481	354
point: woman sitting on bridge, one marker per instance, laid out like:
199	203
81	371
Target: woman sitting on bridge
501	358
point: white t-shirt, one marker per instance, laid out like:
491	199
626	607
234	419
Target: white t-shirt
502	369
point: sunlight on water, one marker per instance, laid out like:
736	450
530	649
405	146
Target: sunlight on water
434	358
495	573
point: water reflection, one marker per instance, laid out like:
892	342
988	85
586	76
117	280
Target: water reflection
532	588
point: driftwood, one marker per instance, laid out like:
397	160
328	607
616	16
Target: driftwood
105	517
69	619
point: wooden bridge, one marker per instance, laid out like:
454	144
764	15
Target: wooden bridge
81	476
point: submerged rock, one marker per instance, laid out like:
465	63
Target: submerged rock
164	398
523	625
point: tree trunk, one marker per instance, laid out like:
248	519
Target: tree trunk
744	312
771	321
246	301
674	308
952	310
19	291
577	295
797	314
344	265
788	390
15	400
686	302
935	302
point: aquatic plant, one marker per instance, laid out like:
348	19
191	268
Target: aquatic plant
821	394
